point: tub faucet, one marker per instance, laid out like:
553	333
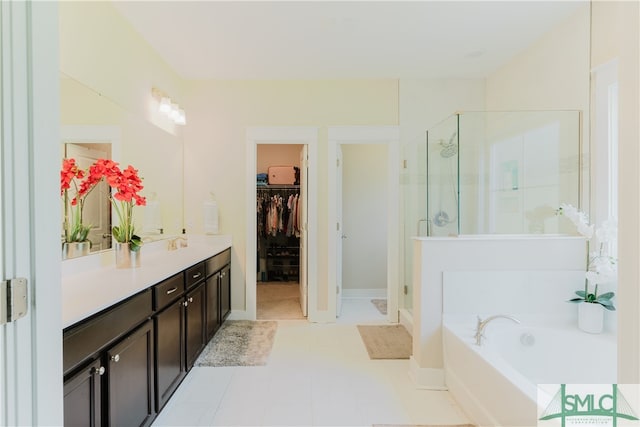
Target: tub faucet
483	324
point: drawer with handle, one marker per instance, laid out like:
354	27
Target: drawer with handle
168	291
194	275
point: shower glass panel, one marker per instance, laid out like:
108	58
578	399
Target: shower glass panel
502	172
443	195
413	180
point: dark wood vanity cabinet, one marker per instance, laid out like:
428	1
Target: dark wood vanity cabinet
195	311
130	376
122	365
170	365
225	293
83	397
218	270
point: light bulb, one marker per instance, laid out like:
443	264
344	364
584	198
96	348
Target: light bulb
175	112
182	118
165	105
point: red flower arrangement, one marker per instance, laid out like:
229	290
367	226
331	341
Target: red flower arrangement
126	185
74	229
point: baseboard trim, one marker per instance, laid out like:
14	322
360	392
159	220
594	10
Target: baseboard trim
239	315
364	293
406	320
426	378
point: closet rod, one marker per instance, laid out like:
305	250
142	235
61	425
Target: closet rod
278	187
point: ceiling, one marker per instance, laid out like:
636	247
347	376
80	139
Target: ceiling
341	40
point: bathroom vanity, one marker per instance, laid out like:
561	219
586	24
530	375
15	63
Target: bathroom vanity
130	336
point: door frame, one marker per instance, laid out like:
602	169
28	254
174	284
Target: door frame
298	135
31	354
389	135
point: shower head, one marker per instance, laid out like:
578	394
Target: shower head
449	149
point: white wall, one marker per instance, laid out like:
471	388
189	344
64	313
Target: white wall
277	155
215	147
552	74
616	34
364	213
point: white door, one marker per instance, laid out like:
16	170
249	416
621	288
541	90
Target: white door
339	232
302	212
97	208
30	246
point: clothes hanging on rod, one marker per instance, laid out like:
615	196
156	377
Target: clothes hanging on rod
277	211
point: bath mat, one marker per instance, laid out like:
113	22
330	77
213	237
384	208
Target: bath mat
240	343
380	304
386	341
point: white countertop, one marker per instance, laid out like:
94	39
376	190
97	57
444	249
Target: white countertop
93	283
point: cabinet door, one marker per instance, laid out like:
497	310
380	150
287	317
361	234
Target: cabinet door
169	342
225	292
83	398
195	324
213	321
130	374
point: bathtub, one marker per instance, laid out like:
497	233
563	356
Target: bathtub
496	383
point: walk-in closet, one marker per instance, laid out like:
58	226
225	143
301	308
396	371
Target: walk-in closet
279	226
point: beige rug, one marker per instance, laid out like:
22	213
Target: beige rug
278	301
239	343
386	341
380	304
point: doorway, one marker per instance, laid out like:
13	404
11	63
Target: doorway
280	217
386	287
281	265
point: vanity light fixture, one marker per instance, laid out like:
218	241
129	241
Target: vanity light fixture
168	107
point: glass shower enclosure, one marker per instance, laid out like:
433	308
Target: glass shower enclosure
480	173
501	172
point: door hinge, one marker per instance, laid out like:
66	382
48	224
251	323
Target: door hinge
406	290
337	226
404	164
13	300
338	162
337	290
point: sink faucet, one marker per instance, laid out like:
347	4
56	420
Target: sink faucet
483	324
177	242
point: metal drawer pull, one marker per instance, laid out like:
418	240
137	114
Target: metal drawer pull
186	304
195	276
190	299
172	290
115	358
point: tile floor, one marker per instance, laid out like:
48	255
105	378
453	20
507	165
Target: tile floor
317	375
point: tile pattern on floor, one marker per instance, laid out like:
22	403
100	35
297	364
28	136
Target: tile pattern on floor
317	375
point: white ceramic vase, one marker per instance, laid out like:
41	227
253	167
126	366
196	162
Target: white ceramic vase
590	317
125	257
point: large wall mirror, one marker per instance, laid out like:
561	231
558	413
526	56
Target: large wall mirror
93	126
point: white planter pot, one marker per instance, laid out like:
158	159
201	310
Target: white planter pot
590	317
